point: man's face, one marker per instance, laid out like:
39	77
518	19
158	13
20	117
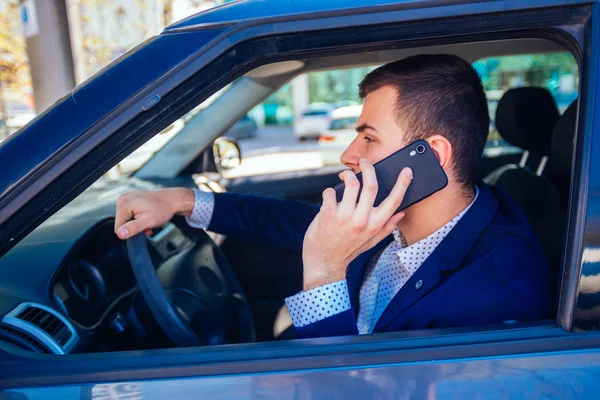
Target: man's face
378	133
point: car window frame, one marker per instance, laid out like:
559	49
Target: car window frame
380	348
170	88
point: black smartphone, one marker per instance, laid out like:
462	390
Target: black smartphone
428	175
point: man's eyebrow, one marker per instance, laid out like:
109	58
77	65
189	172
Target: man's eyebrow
365	126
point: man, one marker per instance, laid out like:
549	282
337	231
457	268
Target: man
464	256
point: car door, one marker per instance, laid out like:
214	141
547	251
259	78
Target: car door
114	113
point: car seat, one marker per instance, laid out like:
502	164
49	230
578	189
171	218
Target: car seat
551	229
526	117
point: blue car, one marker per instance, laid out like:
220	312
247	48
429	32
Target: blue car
77	322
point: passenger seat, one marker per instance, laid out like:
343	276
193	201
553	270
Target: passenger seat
526	117
561	154
551	230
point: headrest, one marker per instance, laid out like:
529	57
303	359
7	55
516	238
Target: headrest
558	169
561	152
525	117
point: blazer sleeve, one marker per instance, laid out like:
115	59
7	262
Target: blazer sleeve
276	223
342	324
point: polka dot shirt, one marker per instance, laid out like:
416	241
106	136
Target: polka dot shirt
385	275
318	303
203	209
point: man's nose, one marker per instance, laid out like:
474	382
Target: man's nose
351	156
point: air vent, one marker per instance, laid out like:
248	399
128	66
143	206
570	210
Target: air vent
22	339
45	325
48	322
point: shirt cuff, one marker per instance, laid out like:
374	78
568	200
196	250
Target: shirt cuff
204	205
319	303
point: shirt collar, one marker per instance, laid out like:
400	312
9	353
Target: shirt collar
428	244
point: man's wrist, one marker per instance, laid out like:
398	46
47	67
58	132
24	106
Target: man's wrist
321	277
184	199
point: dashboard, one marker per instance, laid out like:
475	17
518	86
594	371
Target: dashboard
95	275
92	293
68	286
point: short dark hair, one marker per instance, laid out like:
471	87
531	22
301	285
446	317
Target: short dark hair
438	94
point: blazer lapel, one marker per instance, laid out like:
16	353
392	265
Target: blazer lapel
447	256
423	281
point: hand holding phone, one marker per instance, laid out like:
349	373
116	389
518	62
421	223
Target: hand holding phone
342	231
428	175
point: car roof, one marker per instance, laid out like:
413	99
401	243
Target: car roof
233	12
242	10
347	111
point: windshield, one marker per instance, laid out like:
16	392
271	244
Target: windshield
141	155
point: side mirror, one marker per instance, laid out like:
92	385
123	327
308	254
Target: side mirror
227	154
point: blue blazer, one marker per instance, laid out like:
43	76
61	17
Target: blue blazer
489	269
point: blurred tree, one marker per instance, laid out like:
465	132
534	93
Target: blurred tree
14	66
167	12
111	28
336	85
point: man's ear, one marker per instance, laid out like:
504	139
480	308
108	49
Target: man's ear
442	149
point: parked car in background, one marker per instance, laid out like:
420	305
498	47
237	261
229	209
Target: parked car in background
341	132
313	121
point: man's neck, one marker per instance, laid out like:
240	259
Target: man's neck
426	217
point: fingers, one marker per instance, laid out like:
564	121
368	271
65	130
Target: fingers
125	224
329	200
352	186
124	212
387	230
369	190
133	227
394	199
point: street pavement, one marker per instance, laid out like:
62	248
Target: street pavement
275	150
274	139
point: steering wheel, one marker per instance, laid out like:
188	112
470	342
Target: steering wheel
194	296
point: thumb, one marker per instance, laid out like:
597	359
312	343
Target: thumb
132	228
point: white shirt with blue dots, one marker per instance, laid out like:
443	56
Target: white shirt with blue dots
204	205
384	276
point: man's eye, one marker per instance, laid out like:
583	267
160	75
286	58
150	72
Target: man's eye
369	140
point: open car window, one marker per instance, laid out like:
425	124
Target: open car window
556	72
271	134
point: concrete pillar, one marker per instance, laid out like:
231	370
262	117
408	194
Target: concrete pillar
300	98
49	52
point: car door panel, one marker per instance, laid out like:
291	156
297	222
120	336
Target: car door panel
445	366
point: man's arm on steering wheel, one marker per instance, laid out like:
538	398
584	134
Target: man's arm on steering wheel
276	223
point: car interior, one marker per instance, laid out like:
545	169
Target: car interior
80	293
